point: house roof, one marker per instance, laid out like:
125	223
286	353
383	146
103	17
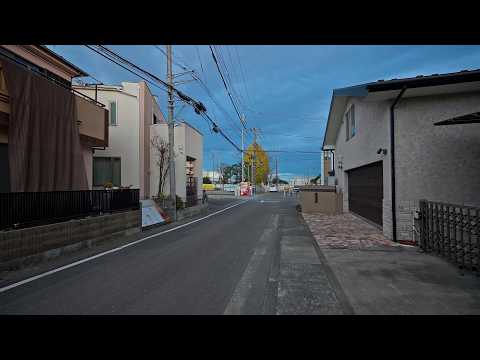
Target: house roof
63	60
464	119
381	90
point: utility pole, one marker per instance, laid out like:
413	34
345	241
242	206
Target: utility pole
254	165
276	171
171	137
243	120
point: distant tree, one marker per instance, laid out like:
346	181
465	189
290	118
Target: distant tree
261	163
206	180
315	180
221	170
232	171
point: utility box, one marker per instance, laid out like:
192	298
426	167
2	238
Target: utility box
321	199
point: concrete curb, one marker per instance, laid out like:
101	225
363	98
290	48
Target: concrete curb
341	295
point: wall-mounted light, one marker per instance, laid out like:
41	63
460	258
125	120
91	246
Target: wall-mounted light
382	151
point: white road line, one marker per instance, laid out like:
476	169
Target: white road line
114	250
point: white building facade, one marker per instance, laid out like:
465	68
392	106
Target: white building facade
129	160
436	163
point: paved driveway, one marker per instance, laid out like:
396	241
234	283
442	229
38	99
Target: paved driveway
345	231
379	276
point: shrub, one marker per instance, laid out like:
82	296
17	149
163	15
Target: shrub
180	203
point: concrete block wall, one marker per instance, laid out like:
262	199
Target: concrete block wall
405	215
387	218
31	245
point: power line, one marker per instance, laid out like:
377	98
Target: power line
198	106
240	96
243	75
238	99
225	84
199	59
196	77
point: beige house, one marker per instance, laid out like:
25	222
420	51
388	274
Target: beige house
389	153
130	160
188	160
50	146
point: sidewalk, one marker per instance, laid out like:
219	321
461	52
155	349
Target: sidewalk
382	277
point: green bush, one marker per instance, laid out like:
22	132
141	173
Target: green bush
180	203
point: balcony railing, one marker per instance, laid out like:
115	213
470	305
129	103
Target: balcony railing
26	209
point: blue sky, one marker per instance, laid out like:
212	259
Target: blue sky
283	90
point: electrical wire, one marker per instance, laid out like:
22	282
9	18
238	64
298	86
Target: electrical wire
182	97
225	84
196	77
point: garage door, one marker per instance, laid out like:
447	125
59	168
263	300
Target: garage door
365	191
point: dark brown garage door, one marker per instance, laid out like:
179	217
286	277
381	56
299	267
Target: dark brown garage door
365	191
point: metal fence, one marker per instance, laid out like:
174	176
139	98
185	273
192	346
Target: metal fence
36	208
451	231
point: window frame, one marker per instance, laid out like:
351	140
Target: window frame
111	159
350	123
110	102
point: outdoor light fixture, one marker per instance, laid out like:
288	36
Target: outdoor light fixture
384	151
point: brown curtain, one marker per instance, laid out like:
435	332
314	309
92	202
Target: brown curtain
43	141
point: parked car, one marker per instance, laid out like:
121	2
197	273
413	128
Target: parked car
273	189
296	189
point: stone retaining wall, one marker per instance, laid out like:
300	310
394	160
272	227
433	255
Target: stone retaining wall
36	244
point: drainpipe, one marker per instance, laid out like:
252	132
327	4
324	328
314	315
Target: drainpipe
392	163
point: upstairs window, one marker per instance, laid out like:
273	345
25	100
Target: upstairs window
113	113
350	123
155	120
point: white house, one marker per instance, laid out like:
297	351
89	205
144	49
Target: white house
129	160
188	160
369	123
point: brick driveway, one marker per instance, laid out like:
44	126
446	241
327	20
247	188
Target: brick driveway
345	231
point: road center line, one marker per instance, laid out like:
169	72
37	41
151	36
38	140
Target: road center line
50	272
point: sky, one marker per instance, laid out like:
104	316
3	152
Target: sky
284	91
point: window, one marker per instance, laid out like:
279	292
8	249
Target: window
3	86
350	123
155	121
105	170
316	198
113	113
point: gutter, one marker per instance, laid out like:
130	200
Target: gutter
392	163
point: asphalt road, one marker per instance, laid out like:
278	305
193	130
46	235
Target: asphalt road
192	270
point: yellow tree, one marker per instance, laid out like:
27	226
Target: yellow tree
262	165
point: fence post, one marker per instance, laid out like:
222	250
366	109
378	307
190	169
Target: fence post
422	224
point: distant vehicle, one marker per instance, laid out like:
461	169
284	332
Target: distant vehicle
273	189
296	189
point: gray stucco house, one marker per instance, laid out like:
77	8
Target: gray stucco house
370	122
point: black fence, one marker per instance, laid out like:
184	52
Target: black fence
192	193
451	231
36	208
